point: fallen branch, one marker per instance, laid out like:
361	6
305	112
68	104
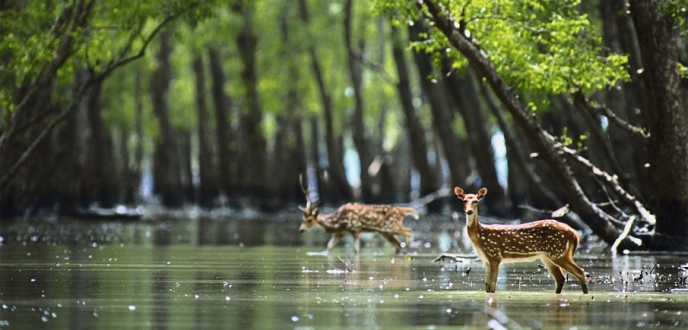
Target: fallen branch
612	183
453	257
624	235
429	198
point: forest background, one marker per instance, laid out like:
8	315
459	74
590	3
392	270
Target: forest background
568	109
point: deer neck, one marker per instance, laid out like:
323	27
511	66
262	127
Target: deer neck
328	221
473	226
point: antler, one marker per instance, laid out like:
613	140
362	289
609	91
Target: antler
305	192
310	204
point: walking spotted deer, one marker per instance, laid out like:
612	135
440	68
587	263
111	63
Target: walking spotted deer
355	219
548	240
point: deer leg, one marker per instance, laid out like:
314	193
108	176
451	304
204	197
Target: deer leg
570	266
556	273
491	276
357	242
409	236
333	241
390	237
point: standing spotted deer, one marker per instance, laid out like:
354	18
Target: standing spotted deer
548	240
355	219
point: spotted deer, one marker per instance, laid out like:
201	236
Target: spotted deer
548	240
355	219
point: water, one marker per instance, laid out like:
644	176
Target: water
253	274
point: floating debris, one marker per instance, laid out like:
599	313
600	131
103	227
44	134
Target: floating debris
683	291
453	258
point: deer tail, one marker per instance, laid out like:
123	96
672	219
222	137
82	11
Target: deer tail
410	211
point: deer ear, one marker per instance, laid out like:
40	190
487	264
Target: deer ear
481	193
459	193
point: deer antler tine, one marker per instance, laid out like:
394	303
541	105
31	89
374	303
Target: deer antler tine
324	193
303	189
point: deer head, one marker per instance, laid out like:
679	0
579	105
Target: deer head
310	211
470	201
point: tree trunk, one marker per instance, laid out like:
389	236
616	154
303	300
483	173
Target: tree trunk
290	149
358	128
137	171
102	170
185	145
666	119
167	169
622	101
208	187
383	191
414	128
339	186
226	144
465	96
251	115
289	157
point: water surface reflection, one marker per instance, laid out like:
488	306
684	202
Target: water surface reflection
252	273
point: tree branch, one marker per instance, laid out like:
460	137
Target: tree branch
140	53
10	173
613	118
375	66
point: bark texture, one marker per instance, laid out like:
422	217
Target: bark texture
666	119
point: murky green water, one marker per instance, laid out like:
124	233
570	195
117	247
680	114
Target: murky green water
219	273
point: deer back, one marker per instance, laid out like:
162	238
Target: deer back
362	217
548	237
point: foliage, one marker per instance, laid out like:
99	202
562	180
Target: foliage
538	46
677	10
47	40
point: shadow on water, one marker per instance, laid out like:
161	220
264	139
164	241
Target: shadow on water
242	273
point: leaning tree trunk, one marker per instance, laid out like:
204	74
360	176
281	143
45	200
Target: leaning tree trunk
208	188
525	185
167	169
443	117
666	119
545	144
419	145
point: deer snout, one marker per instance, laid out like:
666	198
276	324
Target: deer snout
469	211
303	228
